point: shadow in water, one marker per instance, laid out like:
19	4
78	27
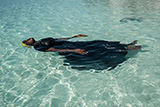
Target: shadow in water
87	62
125	20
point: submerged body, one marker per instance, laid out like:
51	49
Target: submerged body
96	54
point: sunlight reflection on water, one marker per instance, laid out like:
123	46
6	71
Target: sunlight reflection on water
32	79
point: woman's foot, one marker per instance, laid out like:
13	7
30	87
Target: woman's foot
134	42
132	47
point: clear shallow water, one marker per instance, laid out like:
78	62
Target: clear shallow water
30	78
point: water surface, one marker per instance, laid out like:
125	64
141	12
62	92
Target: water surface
29	78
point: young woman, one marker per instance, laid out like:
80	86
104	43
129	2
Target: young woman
62	45
97	54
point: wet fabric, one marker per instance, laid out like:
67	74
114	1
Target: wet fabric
101	54
44	44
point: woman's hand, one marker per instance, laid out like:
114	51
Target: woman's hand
81	35
81	51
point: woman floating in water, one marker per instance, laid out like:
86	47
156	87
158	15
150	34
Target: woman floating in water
62	45
97	54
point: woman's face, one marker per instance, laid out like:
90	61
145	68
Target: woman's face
29	41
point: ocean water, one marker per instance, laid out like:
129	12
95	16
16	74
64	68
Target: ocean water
29	78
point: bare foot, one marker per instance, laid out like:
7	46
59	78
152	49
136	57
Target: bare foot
138	47
131	47
134	42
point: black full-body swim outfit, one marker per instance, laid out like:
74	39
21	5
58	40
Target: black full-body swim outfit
101	54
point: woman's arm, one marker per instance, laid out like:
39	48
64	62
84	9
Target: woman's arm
80	35
80	51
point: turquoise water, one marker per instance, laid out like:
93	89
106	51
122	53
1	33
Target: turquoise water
29	78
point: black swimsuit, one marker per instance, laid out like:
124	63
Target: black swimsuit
44	44
101	54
